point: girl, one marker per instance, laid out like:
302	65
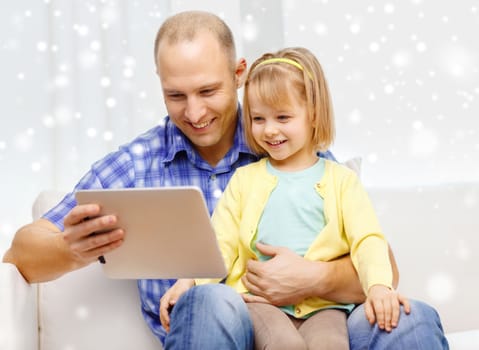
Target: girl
295	199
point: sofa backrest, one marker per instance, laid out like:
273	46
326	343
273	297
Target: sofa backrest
434	233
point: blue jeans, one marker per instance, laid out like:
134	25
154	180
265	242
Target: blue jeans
214	316
211	316
420	330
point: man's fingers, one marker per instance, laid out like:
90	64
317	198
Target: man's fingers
250	282
80	212
252	278
249	298
93	246
88	235
253	267
88	227
266	249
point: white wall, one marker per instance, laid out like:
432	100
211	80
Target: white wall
77	79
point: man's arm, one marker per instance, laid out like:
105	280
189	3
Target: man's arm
42	252
341	282
287	278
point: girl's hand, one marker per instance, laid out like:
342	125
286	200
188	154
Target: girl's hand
169	299
383	306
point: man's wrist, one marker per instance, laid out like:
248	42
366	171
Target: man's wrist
323	285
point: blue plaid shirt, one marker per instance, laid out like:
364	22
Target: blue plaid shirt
162	156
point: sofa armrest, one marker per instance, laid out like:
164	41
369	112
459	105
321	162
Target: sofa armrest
18	315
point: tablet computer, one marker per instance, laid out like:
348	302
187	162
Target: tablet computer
168	233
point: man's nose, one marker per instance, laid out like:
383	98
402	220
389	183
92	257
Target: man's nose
195	109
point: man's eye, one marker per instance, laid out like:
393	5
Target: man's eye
207	92
175	96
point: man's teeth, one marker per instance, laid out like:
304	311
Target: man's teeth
201	125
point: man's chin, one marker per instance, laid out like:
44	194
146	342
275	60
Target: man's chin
204	141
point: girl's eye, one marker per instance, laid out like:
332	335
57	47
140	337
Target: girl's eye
257	119
283	118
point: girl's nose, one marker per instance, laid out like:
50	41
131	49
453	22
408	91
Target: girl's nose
270	129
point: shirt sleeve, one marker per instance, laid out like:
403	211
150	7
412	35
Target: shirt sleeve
116	170
328	155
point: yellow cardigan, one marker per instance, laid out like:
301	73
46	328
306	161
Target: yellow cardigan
350	219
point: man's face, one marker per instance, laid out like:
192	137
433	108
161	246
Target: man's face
200	91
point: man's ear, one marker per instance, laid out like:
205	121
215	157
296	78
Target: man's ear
240	72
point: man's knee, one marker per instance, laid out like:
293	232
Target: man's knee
218	297
421	329
211	316
216	303
422	315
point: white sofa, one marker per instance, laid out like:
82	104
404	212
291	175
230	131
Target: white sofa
433	230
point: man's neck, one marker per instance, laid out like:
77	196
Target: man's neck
214	154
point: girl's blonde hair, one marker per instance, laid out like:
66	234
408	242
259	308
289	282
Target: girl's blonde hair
275	76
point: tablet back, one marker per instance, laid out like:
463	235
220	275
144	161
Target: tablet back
168	233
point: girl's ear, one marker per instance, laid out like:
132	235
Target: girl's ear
240	72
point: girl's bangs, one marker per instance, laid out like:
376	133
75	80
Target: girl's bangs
273	87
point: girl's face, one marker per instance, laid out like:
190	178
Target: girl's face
285	132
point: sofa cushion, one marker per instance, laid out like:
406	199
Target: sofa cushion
85	310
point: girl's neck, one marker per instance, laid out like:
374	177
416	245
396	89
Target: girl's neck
292	166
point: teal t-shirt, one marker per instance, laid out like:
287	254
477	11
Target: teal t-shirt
294	215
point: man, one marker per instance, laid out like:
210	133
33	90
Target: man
200	143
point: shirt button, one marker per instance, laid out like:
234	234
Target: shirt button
298	310
213	177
